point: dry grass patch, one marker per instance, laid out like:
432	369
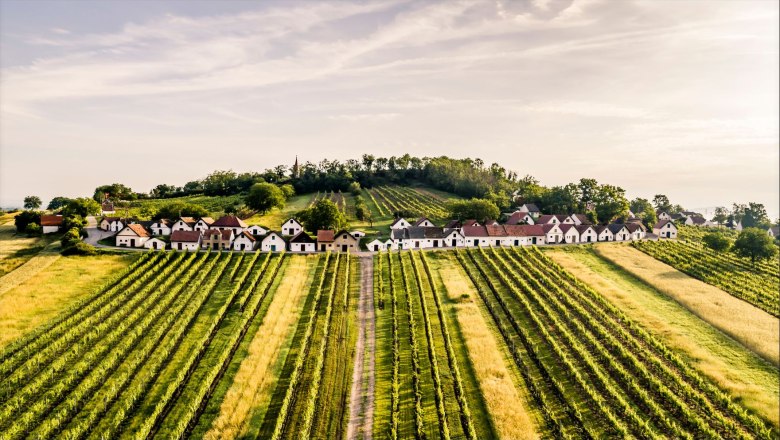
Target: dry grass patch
728	363
15	249
504	401
755	328
44	294
253	385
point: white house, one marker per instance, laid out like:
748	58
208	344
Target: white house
587	234
530	208
637	230
183	224
663	215
291	227
620	231
390	245
519	217
107	207
552	233
51	223
113	224
155	243
230	222
580	219
550	219
665	229
376	245
203	224
424	222
400	223
185	240
302	242
474	236
697	221
273	242
132	235
773	231
358	234
161	227
257	230
604	233
570	233
244	242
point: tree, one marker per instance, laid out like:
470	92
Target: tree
721	215
645	211
162	191
175	210
661	202
58	202
587	189
354	188
561	200
323	215
82	207
611	203
263	197
25	218
70	238
288	190
114	191
755	244
32	202
716	241
754	215
479	209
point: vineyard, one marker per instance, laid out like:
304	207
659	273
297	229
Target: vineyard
759	285
589	370
311	400
143	356
430	394
389	200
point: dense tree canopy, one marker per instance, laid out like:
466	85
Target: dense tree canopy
755	244
58	202
82	207
263	197
643	209
324	214
115	191
175	210
716	241
32	202
478	209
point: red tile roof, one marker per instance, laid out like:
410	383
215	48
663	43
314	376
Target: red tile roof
565	227
325	236
495	231
139	230
51	220
247	235
225	234
470	222
524	230
185	236
474	231
229	221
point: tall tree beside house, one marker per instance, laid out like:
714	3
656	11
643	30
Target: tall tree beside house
587	189
81	207
324	214
32	202
755	244
561	199
263	197
611	203
661	203
643	209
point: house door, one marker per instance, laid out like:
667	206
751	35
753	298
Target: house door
343	248
517	242
435	243
416	244
533	240
454	243
273	248
376	247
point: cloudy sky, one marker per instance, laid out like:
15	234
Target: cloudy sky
674	97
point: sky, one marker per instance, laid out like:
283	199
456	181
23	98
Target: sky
674	97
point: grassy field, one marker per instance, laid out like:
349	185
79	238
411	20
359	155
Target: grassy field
45	294
276	217
753	327
17	249
732	366
145	208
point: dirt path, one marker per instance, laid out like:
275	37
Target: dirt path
361	408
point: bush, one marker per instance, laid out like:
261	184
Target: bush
24	218
33	229
354	188
80	248
716	241
71	238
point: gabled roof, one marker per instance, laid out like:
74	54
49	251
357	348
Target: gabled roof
531	207
524	230
677	216
108	219
495	231
633	227
185	236
490	222
698	220
582	218
422	220
293	219
225	234
245	234
470	222
516	217
207	220
584	228
452	224
616	227
161	222
545	218
663	223
325	236
548	227
272	233
691	213
188	220
139	230
302	237
344	231
398	220
229	221
51	220
566	226
474	231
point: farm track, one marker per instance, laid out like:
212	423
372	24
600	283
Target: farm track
599	368
363	375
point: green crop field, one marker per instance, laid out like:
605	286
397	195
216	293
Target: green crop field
472	344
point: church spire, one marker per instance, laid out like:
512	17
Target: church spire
295	168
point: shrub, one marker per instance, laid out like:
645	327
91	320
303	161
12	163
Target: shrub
80	248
